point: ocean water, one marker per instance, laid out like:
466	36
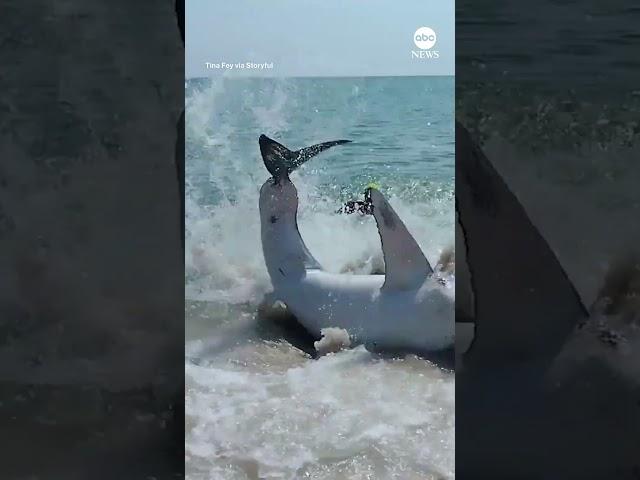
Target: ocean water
549	94
552	95
257	405
563	43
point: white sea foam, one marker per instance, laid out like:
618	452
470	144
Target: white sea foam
333	340
257	406
346	415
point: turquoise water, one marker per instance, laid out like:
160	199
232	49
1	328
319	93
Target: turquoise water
401	127
256	405
402	133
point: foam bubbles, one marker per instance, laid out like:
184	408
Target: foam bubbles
347	412
333	340
257	405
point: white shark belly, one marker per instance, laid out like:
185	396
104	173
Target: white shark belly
422	318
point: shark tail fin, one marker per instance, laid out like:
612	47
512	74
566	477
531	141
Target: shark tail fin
304	154
275	156
280	161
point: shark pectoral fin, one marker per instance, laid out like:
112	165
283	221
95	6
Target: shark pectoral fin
405	264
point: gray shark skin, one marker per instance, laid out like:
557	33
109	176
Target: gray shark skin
524	304
280	161
512	420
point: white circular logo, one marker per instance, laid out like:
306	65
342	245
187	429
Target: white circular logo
424	38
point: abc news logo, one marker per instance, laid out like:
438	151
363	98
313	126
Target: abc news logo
425	38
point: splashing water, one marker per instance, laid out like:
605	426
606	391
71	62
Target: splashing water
257	406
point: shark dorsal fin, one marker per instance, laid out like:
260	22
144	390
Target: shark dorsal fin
405	264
